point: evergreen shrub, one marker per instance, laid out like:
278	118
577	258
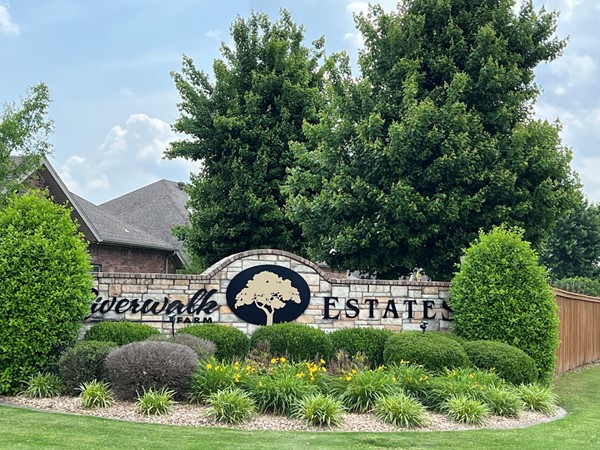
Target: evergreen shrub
45	286
432	350
141	366
231	343
510	363
501	293
296	341
120	333
83	363
368	341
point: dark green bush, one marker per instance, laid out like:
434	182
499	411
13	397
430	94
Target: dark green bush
580	285
120	333
368	341
45	286
433	350
140	366
510	363
501	293
83	363
231	343
299	342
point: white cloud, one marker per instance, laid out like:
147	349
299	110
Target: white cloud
588	171
575	69
356	38
7	26
130	157
214	34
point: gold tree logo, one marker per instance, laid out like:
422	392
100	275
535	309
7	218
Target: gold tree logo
268	292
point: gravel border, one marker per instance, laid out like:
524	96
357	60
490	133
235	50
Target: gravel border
194	415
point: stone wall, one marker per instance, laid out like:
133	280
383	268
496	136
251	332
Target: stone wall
334	302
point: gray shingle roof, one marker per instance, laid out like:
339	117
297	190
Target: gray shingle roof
155	208
113	230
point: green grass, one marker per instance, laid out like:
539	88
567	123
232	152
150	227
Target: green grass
579	395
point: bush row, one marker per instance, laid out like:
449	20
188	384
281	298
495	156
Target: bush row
435	351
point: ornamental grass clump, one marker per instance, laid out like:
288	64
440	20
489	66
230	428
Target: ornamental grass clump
359	390
464	382
212	376
400	410
538	398
155	402
414	379
96	394
282	386
464	409
230	405
503	401
42	385
320	410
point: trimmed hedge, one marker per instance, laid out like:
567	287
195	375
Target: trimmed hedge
120	333
433	350
299	342
501	293
231	343
369	341
84	362
510	363
140	366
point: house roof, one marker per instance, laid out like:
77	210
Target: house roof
155	208
124	220
112	230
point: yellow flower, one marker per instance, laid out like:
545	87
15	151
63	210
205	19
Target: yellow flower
353	371
283	359
394	379
323	369
209	366
300	374
349	378
273	360
236	379
322	361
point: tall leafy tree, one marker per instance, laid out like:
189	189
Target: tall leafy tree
436	140
573	248
24	132
240	126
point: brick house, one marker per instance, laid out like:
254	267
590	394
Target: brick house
131	233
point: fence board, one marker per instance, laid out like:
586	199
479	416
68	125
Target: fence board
579	329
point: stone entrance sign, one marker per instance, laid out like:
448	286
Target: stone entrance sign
262	287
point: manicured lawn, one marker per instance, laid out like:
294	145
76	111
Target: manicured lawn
579	393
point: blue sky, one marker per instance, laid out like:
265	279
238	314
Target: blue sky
108	67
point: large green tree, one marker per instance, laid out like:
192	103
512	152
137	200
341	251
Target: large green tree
240	126
573	248
24	132
436	140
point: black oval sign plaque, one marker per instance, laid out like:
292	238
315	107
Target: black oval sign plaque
268	294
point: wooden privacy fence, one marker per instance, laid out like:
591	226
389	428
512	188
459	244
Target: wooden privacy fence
579	330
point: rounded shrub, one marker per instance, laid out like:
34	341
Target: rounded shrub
510	363
120	333
141	366
45	287
432	350
368	341
83	363
204	348
231	343
501	293
299	342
